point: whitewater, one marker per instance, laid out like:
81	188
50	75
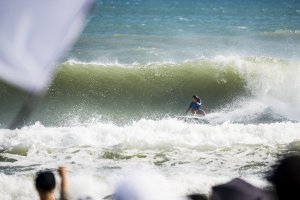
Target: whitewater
111	109
194	156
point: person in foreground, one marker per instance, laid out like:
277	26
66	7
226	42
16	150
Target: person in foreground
196	106
238	189
286	178
45	184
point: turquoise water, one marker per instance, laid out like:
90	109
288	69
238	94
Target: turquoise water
156	31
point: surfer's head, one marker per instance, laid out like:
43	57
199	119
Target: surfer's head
195	98
45	182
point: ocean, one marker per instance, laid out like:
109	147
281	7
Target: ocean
111	109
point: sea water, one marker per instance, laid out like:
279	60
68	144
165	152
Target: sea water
111	110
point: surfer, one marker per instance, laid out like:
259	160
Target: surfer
196	106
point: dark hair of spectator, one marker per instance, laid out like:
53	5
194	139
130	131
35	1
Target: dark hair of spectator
45	181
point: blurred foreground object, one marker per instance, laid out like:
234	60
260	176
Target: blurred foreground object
34	36
146	186
238	189
286	178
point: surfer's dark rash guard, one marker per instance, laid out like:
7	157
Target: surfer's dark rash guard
195	106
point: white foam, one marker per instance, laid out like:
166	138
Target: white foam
150	134
17	187
193	157
273	82
116	63
87	185
167	141
238	112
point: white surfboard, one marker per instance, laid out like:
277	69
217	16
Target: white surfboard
190	118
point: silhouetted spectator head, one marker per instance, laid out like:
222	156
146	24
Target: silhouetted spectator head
238	189
197	197
286	178
45	182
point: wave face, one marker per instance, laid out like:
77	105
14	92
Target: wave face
232	89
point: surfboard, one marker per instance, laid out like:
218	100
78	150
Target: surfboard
189	117
193	119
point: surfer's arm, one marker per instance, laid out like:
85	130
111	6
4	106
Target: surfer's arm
190	106
188	110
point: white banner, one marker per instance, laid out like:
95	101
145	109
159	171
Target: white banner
33	36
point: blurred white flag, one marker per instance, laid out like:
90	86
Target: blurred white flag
33	36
